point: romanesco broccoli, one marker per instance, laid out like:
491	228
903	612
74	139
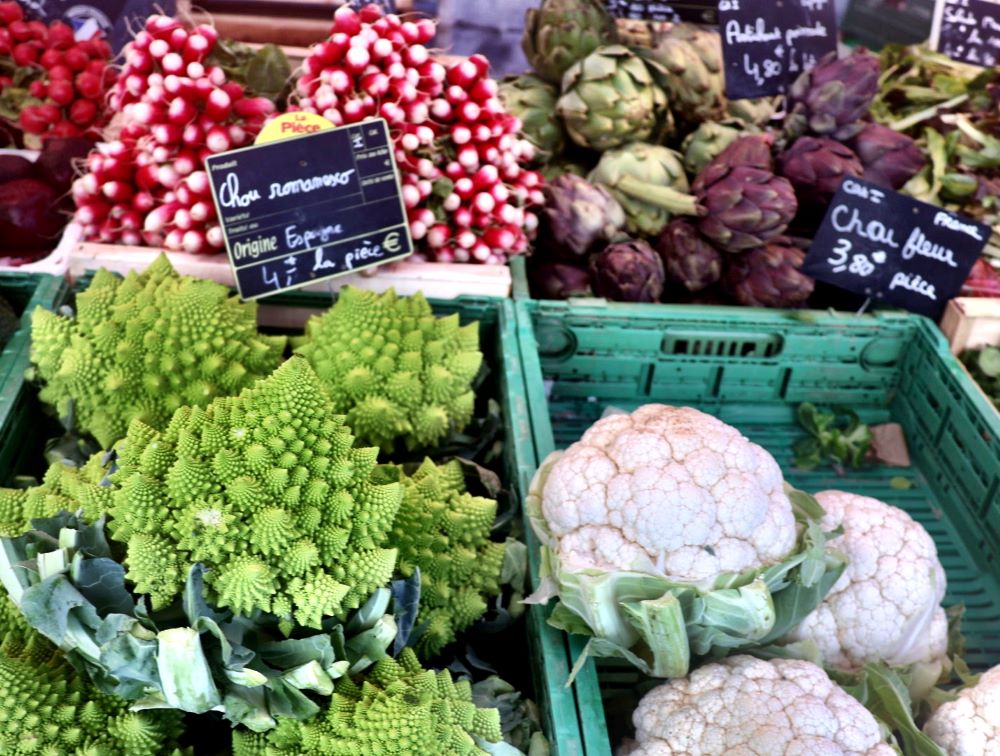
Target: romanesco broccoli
395	370
445	531
142	346
46	708
63	489
267	491
400	709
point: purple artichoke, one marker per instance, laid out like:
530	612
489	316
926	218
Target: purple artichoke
746	204
831	98
577	218
688	259
556	280
768	276
816	166
627	271
890	158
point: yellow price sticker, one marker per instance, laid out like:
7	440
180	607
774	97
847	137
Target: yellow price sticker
292	125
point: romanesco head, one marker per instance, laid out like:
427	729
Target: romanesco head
46	708
395	370
267	491
142	346
398	709
445	531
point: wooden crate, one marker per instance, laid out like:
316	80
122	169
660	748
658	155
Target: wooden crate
972	322
435	280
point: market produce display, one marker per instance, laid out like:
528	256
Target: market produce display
984	364
236	549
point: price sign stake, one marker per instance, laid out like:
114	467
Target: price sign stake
307	208
766	46
894	249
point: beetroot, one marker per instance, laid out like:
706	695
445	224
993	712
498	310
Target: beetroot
28	216
14	167
55	164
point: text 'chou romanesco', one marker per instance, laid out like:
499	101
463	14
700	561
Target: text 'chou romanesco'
398	372
142	346
267	491
400	709
445	531
47	709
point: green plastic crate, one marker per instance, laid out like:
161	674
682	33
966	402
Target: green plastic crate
752	368
288	312
18	421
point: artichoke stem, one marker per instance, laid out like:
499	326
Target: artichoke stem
910	121
671	200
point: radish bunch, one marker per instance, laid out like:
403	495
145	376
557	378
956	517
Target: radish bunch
466	192
148	185
66	97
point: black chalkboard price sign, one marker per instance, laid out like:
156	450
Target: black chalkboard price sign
767	45
693	11
968	31
894	249
308	208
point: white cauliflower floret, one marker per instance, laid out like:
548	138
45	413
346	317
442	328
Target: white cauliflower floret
887	604
668	490
745	706
970	725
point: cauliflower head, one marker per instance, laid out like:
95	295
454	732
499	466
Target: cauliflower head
143	346
746	706
668	490
970	725
395	370
886	606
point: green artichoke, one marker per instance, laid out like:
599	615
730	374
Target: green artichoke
695	78
610	98
756	112
650	184
705	143
534	101
561	32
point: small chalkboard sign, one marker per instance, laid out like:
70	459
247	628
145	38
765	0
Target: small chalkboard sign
308	208
766	46
692	11
968	31
875	23
894	249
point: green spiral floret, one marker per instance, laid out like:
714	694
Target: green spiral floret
267	492
398	709
47	708
445	531
395	370
142	346
63	489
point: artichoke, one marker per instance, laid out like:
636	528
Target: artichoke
577	218
816	166
694	80
552	171
627	271
769	276
558	280
890	158
687	258
756	112
635	32
561	32
704	144
649	182
831	98
609	98
534	102
747	205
